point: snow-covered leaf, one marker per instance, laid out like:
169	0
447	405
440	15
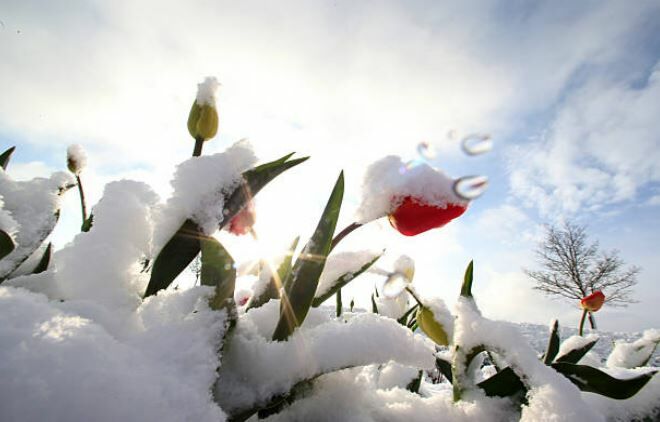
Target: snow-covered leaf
6	244
45	260
593	380
572	353
505	383
327	288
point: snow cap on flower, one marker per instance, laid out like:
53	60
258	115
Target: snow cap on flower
207	91
593	302
422	195
76	158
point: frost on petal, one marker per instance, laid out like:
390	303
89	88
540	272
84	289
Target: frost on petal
389	180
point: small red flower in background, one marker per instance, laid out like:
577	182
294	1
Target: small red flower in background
413	217
243	221
593	302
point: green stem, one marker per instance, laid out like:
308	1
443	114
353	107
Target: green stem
339	304
342	234
199	143
584	315
419	302
592	321
83	205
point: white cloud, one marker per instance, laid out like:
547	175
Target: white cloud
601	149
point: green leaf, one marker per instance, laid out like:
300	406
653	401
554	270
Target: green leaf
466	289
374	307
218	270
175	256
505	383
6	244
308	267
45	260
404	318
444	366
272	291
593	380
24	253
343	281
414	385
553	344
5	157
184	246
254	180
574	356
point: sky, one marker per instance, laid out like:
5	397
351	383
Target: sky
568	91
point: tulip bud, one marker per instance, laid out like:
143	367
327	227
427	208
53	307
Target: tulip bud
76	159
432	328
413	217
593	302
406	266
203	117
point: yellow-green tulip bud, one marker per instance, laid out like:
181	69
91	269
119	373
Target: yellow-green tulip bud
432	328
203	117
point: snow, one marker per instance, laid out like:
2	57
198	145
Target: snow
207	91
29	211
7	222
637	353
393	307
57	364
200	185
103	265
255	368
552	397
76	158
342	263
389	180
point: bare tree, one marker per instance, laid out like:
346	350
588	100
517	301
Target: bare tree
574	268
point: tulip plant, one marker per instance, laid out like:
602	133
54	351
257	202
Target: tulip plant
291	287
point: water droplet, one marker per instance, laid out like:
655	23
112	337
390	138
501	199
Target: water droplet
470	187
2	25
426	151
452	134
395	285
477	143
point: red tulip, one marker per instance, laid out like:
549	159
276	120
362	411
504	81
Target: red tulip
243	221
593	302
413	217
